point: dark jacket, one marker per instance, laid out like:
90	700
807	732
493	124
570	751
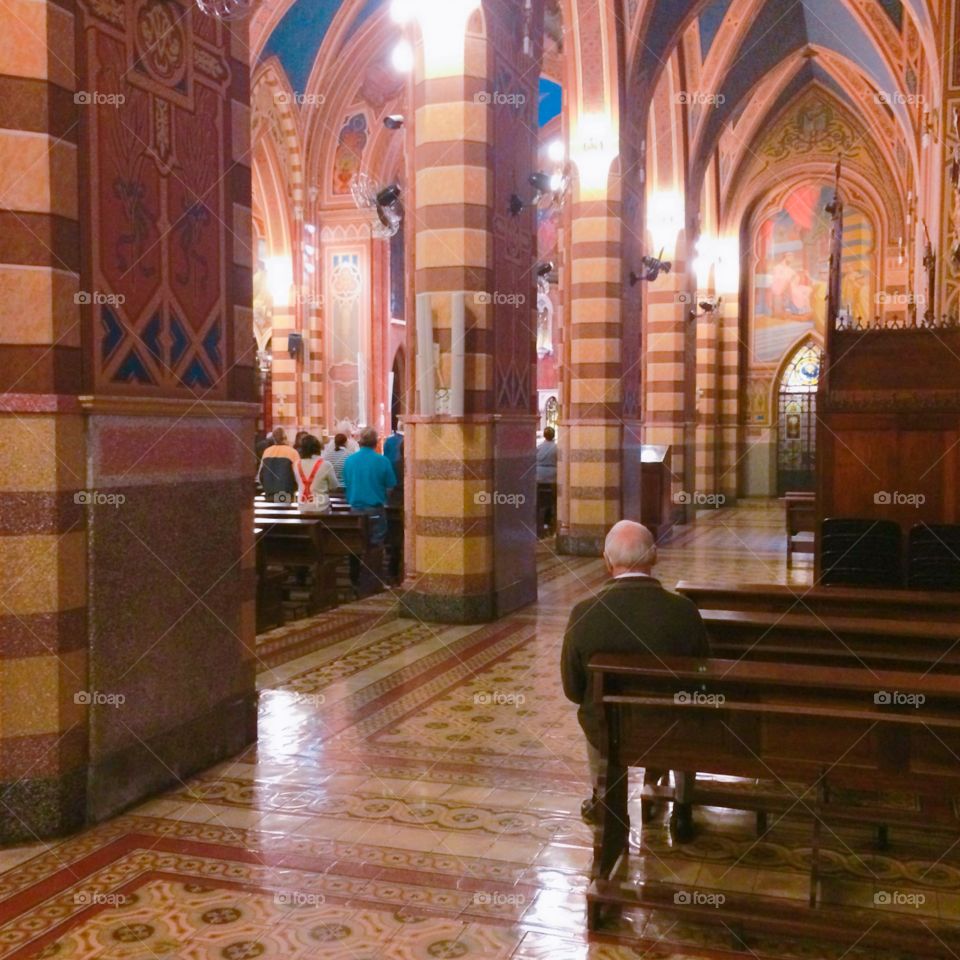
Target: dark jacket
633	615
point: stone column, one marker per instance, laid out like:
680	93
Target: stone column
729	398
707	405
43	541
126	528
471	482
592	430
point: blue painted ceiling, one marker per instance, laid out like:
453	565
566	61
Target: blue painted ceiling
296	39
710	19
780	30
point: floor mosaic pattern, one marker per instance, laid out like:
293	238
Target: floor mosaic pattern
415	794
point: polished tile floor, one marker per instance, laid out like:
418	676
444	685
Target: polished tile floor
415	794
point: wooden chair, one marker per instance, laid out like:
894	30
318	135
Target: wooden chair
861	552
933	557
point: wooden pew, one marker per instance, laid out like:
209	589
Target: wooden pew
801	516
825	601
318	541
879	644
792	723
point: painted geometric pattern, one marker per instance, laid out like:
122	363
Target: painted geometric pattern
155	295
415	794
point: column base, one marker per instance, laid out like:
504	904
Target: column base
580	545
127	776
32	810
441	608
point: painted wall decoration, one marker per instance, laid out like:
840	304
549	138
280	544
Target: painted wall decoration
791	270
349	156
344	357
159	288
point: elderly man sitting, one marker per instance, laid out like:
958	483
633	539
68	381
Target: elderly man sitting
632	613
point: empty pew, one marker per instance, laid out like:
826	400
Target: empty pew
825	601
795	724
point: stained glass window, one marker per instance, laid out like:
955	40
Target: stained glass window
803	374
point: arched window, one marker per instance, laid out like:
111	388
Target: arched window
797	422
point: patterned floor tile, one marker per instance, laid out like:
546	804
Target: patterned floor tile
415	794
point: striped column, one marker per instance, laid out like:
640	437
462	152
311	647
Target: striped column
668	306
284	377
43	543
708	376
729	399
450	454
592	434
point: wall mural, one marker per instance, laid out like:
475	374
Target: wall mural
344	355
349	156
157	294
791	270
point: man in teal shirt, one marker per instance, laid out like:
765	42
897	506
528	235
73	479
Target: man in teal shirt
367	475
368	478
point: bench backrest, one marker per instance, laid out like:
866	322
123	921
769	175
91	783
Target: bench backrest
849	727
838	601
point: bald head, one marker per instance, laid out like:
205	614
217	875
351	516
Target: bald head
629	548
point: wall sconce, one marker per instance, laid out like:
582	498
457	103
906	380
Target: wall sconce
394	122
652	268
295	346
545	269
708	307
542	184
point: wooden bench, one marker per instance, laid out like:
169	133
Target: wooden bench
825	601
801	515
798	725
319	542
878	644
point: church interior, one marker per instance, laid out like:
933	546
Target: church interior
350	332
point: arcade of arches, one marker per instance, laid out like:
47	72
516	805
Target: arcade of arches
714	244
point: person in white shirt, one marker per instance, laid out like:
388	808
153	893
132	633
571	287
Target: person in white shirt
547	458
316	478
345	428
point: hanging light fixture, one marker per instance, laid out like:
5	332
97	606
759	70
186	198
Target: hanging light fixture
226	9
